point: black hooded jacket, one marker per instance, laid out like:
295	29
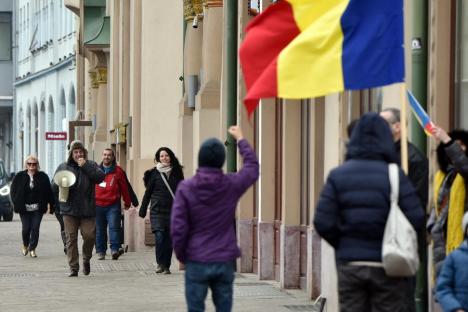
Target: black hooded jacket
353	207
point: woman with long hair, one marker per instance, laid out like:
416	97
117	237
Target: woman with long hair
161	184
31	192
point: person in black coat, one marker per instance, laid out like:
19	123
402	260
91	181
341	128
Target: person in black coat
161	195
351	214
418	173
31	192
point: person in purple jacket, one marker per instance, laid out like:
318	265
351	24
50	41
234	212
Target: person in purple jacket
203	223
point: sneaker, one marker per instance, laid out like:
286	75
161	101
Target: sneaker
73	273
116	255
159	269
33	254
24	250
101	256
86	268
121	251
167	271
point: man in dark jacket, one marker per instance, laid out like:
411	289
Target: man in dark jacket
351	214
418	173
418	165
203	226
79	211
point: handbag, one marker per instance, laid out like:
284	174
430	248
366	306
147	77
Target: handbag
399	244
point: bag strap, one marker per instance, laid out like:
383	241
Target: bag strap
393	173
167	185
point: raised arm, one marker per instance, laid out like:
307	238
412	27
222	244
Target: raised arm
92	170
249	172
453	150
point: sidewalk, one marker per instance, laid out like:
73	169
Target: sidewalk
129	284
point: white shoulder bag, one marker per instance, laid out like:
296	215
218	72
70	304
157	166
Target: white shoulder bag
399	244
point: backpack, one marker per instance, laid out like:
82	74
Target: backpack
399	244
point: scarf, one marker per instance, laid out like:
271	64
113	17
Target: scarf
164	169
456	208
108	169
31	180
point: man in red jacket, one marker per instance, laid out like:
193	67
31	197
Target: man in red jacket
108	194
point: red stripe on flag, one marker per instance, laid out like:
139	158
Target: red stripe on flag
266	36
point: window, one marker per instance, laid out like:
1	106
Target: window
5	36
461	67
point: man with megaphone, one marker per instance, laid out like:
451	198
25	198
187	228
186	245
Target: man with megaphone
74	186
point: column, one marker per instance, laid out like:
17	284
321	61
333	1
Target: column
206	120
291	194
266	187
100	135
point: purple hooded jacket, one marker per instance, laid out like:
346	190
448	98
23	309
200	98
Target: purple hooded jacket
203	213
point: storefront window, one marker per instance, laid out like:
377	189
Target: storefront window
461	67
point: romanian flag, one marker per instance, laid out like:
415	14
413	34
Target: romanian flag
420	114
300	49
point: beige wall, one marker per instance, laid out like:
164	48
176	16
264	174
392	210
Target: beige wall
161	90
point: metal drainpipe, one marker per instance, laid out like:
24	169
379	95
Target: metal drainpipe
231	79
419	85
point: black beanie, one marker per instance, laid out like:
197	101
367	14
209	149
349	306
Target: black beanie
211	154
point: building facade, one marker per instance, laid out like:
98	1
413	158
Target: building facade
45	82
6	82
144	87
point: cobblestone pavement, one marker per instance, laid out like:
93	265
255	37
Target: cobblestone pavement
128	284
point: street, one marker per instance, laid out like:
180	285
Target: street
128	284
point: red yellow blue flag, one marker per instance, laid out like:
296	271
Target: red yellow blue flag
300	49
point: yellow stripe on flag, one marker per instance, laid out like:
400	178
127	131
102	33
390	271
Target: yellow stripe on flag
311	64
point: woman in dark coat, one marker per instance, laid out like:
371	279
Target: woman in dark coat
161	184
449	194
31	192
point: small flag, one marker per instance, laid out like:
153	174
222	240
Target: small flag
420	114
300	49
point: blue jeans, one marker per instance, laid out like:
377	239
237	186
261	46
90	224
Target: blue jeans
163	248
219	277
31	222
109	215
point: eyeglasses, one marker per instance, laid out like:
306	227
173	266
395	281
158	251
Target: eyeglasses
32	164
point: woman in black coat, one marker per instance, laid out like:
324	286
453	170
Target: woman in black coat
161	195
31	192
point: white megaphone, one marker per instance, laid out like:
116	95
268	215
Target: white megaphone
64	179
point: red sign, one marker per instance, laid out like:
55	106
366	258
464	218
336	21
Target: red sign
61	136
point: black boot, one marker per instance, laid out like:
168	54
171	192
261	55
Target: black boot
86	267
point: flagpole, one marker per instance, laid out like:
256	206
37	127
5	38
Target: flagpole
404	130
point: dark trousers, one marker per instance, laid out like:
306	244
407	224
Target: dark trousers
62	229
369	289
219	277
163	248
30	224
88	233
